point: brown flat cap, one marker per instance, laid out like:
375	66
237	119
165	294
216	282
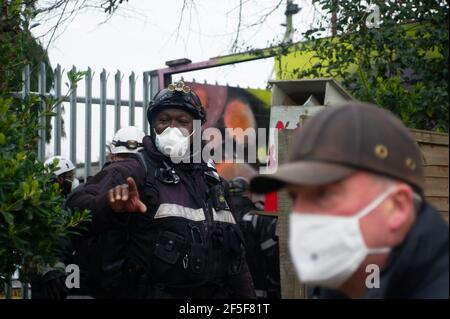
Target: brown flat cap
341	140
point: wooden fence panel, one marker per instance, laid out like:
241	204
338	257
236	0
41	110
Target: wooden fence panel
434	147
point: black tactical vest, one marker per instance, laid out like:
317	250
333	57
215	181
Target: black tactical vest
189	236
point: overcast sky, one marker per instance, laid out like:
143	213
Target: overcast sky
143	34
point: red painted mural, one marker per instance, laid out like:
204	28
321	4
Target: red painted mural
233	107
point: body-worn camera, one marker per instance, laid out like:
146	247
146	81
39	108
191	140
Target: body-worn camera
217	195
167	175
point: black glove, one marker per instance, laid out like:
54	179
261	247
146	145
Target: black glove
53	285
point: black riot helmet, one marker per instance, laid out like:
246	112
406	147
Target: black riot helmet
177	95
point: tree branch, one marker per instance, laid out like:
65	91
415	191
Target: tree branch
235	42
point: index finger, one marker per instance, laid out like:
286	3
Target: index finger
132	188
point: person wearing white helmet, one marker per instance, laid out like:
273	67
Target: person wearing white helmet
126	141
50	284
64	174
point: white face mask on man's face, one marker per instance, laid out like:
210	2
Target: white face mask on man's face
326	250
172	142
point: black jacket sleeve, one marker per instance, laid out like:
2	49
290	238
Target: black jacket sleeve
93	195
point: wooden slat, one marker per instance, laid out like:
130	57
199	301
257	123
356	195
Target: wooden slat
436	171
434	154
435	186
435	161
430	137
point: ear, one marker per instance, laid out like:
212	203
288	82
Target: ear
402	207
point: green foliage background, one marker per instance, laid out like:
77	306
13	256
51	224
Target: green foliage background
401	65
31	214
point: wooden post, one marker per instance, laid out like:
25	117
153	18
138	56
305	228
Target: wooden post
291	288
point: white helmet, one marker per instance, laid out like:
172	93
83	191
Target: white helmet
64	165
127	140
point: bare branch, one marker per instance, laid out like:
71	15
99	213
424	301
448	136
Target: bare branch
235	42
65	11
111	5
263	18
56	26
237	7
181	19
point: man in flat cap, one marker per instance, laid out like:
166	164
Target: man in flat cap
360	227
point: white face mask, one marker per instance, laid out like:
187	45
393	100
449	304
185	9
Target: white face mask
171	142
326	250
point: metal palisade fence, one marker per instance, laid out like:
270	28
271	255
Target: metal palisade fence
88	101
21	290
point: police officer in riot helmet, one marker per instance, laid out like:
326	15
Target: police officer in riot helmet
166	228
50	282
262	249
64	174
